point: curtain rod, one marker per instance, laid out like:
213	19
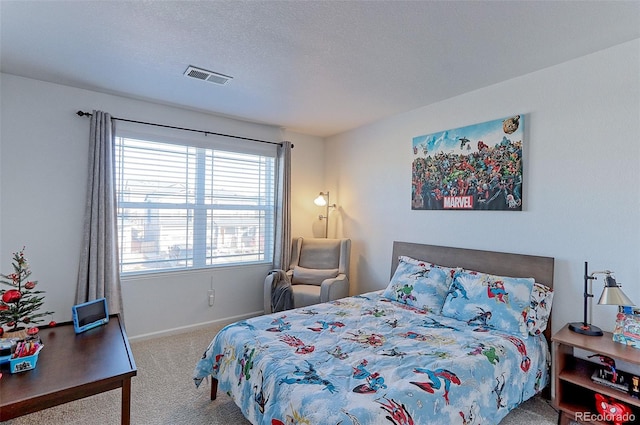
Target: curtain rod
205	132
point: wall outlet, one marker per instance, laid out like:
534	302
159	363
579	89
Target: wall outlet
211	293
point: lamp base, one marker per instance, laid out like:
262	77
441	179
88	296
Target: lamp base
584	329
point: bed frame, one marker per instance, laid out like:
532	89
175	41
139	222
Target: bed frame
498	263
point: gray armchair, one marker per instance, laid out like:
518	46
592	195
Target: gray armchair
319	272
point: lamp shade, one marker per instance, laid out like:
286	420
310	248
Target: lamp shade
612	294
320	201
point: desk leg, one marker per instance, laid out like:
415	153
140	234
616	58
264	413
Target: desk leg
126	402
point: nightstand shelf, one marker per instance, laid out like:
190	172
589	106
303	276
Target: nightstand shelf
574	390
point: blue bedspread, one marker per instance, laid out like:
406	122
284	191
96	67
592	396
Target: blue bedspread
367	360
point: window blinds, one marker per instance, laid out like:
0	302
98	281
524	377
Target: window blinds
182	206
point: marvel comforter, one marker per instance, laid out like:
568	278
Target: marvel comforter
369	360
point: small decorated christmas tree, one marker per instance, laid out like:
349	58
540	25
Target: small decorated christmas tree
19	305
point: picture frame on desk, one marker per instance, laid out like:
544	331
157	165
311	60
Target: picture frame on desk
89	315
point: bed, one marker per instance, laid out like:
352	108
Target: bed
450	340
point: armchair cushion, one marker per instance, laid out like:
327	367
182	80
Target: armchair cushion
312	276
319	253
306	295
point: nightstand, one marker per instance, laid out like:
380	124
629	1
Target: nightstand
574	389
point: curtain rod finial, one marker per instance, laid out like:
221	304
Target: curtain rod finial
83	114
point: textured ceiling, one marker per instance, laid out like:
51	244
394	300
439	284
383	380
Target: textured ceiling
315	67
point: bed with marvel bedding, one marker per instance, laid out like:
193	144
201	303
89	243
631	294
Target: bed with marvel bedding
458	337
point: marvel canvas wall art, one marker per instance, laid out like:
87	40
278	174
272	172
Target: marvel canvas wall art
477	167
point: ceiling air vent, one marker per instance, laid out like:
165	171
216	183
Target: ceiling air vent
210	76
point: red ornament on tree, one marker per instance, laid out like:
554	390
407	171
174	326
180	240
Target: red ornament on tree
11	296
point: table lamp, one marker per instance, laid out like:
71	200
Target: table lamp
611	295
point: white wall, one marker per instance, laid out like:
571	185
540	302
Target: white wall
43	173
307	180
581	192
581	186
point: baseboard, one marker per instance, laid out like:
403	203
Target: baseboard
182	329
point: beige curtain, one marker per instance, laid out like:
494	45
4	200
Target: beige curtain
282	248
98	273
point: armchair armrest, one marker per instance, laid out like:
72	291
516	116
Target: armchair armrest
268	283
277	291
334	288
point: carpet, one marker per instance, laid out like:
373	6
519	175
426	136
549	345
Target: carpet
163	393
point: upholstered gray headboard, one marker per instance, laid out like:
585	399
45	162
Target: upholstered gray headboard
498	263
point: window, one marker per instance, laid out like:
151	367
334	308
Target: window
184	207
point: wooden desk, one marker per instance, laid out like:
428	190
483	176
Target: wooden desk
71	367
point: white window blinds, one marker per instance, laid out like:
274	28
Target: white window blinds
182	206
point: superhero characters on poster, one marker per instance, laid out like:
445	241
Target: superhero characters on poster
478	167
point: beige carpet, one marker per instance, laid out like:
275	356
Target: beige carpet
163	393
